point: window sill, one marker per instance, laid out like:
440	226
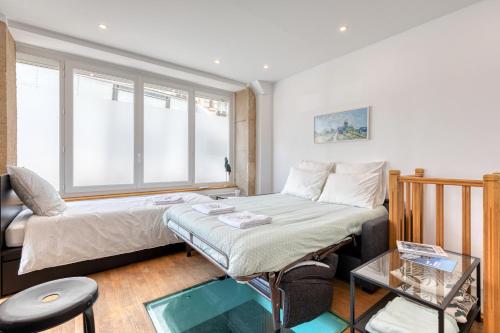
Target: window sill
141	193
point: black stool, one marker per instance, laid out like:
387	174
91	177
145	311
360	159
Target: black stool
50	304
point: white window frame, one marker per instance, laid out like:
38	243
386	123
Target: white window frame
67	64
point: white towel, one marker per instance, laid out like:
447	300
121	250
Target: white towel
403	316
213	208
169	200
243	220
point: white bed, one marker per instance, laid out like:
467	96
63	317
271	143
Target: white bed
90	230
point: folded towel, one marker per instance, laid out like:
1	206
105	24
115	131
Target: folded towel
403	316
213	208
244	219
169	200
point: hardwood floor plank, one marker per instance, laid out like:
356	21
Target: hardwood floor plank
123	292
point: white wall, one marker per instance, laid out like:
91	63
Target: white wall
434	92
264	126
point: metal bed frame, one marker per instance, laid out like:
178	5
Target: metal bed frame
273	278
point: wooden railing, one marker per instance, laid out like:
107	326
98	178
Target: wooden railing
406	207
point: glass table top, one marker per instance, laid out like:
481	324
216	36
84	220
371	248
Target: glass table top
415	280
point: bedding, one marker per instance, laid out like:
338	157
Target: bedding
403	316
299	226
316	166
304	183
35	192
369	167
94	229
358	190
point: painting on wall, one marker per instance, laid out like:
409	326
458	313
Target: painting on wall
342	126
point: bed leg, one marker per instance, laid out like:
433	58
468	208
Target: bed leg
188	250
275	301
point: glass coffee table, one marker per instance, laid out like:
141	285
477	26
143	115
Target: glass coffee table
416	283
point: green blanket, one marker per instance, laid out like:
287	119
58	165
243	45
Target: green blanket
298	227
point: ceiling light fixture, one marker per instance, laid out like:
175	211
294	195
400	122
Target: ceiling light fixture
343	28
103	26
266	66
216	61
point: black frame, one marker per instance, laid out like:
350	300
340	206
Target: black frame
360	322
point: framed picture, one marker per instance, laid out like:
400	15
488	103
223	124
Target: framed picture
342	126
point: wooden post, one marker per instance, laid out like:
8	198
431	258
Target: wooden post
491	253
466	236
396	203
418	208
407	222
440	215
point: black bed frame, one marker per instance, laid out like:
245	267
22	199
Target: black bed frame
11	282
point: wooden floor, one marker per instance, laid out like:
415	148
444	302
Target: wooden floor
123	292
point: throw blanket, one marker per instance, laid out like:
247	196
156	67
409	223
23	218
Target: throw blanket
402	316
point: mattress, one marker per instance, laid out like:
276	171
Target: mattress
92	229
299	227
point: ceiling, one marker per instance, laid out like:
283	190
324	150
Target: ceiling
288	35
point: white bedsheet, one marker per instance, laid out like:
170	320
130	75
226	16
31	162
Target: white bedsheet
95	229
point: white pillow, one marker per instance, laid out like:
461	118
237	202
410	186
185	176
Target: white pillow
35	192
315	165
358	190
304	183
370	167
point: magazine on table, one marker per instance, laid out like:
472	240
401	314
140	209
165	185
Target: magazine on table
439	263
421	249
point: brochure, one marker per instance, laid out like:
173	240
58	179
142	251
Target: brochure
442	264
421	249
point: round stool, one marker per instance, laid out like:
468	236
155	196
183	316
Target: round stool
50	304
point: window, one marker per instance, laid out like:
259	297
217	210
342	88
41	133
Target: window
38	117
166	135
89	127
211	138
103	130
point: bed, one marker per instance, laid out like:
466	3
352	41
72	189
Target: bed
301	230
89	236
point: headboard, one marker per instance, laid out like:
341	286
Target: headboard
10	206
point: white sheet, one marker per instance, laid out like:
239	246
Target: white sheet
14	234
95	229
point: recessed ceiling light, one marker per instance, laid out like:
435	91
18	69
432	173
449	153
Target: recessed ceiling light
216	61
103	26
343	28
266	66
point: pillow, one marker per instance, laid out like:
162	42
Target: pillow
461	305
358	190
35	192
304	183
370	167
315	166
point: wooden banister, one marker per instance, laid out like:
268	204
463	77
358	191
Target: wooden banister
441	181
418	208
466	236
406	223
440	215
396	202
491	252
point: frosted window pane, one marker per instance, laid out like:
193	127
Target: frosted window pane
103	130
211	139
166	135
38	120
